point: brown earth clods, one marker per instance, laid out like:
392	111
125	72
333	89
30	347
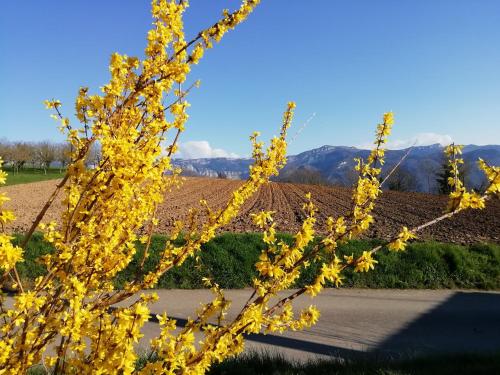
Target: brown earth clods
394	209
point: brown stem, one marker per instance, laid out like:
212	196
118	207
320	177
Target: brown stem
44	210
146	249
59	355
283	301
396	166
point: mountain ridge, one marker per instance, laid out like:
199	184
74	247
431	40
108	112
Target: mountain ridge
335	164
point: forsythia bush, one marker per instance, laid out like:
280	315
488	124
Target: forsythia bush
67	320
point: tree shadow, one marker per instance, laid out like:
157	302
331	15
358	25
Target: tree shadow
465	322
282	341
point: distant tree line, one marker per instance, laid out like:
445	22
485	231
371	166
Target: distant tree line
43	155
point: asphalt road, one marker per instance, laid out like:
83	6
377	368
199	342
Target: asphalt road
353	321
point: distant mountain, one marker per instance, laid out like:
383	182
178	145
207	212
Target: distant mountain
335	164
214	167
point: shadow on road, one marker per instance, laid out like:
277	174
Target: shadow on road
283	342
465	322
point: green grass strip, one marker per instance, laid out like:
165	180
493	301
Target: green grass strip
229	259
28	175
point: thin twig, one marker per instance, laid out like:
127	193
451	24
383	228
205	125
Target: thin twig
397	165
35	223
304	125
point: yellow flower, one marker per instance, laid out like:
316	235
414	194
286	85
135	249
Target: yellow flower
262	218
309	316
331	272
50	104
197	53
3	177
399	244
365	262
7	216
389	118
9	254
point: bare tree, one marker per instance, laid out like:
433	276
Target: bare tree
35	159
46	153
22	152
94	156
63	155
6	152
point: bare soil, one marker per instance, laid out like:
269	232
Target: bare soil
394	209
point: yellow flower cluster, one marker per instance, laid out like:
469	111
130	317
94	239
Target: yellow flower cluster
460	198
9	254
493	175
453	151
72	309
367	188
365	262
262	218
399	244
266	165
280	264
108	205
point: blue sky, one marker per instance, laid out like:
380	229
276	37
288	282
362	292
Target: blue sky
435	63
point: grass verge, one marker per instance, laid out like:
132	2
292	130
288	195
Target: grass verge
443	364
229	259
28	175
274	364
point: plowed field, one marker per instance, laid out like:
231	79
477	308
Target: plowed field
394	209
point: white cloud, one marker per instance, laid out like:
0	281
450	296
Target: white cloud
202	149
421	139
